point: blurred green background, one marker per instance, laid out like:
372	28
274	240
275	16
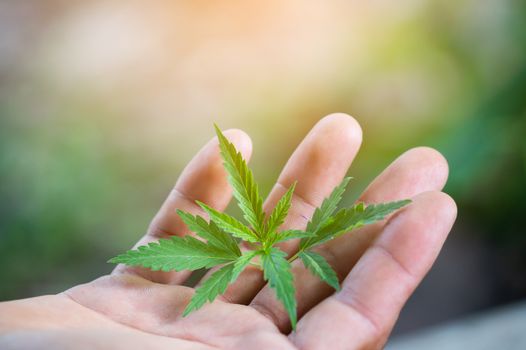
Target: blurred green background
102	103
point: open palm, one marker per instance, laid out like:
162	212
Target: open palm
380	265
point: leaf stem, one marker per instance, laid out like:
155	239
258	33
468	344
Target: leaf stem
258	265
294	257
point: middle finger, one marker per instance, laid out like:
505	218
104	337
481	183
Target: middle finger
318	164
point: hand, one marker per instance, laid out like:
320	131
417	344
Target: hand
380	265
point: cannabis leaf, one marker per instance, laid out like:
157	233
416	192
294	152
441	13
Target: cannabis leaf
243	262
216	284
176	253
217	246
348	219
320	267
328	206
242	181
276	270
209	231
288	235
230	224
278	215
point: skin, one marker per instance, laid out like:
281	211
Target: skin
379	265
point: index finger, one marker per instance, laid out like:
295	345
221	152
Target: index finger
204	179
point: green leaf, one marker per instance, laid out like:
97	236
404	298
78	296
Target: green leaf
277	271
377	212
245	188
290	234
230	224
242	262
209	231
279	213
176	253
320	268
328	206
348	219
213	286
360	215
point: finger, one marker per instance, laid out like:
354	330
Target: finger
203	179
363	313
318	164
416	171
